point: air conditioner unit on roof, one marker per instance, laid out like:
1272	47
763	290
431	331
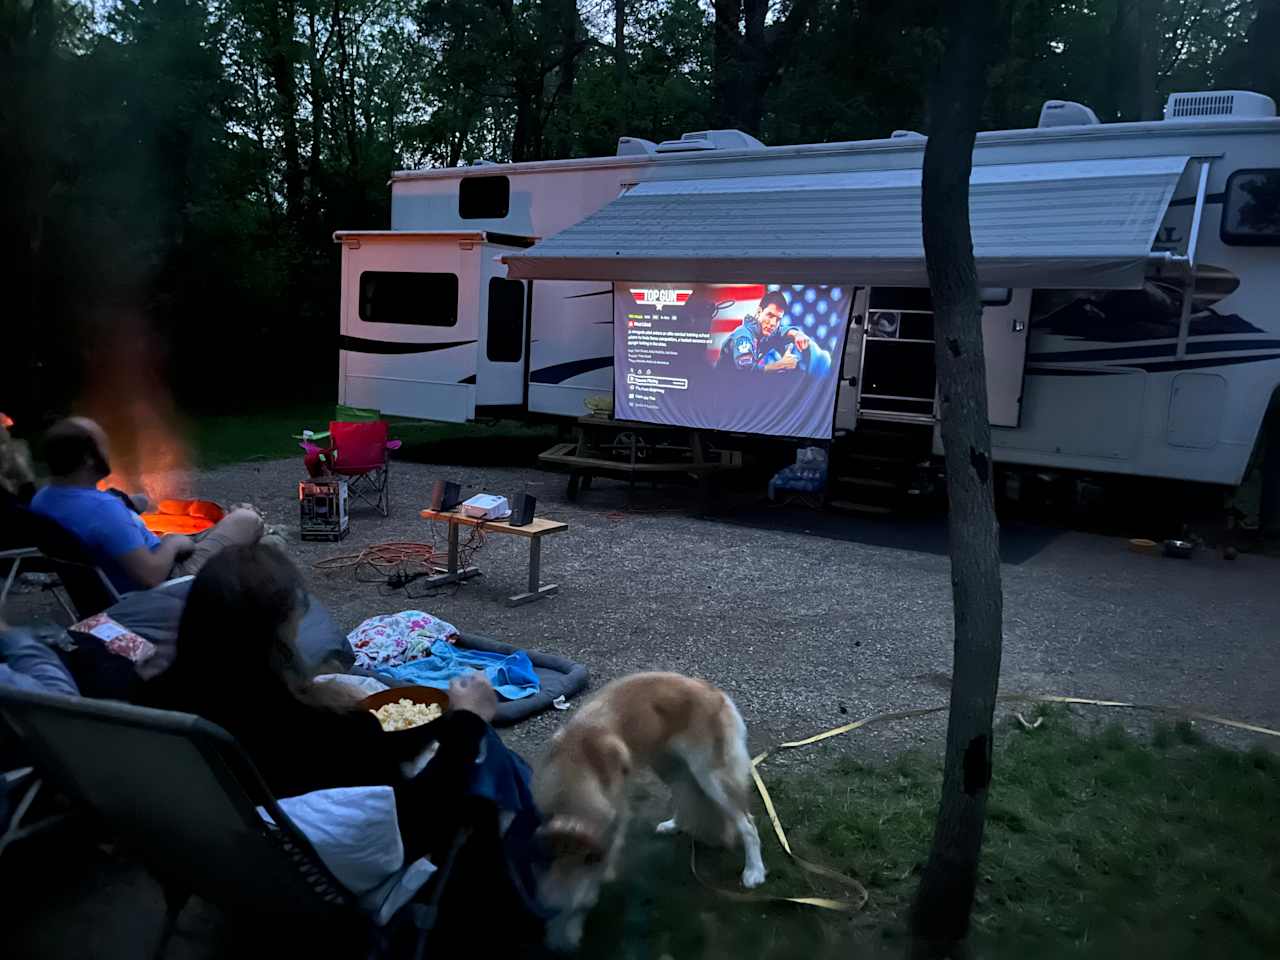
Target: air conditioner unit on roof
711	140
1217	104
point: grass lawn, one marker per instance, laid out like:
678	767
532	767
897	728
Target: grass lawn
219	440
1096	845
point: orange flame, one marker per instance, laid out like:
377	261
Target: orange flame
127	395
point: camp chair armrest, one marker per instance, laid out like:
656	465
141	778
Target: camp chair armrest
159	586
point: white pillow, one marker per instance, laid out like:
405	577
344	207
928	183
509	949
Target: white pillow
355	832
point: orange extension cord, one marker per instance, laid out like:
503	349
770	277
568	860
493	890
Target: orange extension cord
386	558
400	558
392	565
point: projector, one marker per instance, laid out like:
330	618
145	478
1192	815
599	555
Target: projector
485	506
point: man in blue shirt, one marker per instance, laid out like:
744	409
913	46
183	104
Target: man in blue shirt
133	557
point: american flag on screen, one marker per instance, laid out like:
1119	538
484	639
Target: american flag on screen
814	308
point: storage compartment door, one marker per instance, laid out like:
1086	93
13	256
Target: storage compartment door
409	327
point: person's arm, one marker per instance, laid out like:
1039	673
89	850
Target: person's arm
818	360
788	361
149	567
32	664
452	741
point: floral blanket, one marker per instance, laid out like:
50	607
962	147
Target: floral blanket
394	639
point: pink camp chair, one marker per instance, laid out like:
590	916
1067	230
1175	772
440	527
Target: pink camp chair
359	452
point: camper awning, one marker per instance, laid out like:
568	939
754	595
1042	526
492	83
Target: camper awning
1069	224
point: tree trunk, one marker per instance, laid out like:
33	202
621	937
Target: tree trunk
622	102
316	85
726	67
279	61
944	899
347	97
746	56
620	42
1148	32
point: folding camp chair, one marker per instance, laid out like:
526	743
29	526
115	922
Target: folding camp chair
359	452
22	786
15	557
82	587
180	792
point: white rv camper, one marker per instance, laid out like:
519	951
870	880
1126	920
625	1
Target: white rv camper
1131	273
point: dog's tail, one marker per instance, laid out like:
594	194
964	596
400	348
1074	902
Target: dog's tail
737	756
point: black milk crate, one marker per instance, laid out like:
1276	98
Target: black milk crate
323	508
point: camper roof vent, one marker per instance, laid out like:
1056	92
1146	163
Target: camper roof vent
635	147
1066	113
907	135
711	140
1216	104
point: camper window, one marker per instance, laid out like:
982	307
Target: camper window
421	299
504	342
1251	210
484	198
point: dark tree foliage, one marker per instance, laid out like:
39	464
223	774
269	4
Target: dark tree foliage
171	171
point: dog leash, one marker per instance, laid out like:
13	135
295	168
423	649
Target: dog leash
862	895
745	896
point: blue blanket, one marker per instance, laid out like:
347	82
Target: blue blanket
511	674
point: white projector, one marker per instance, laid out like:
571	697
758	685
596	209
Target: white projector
485	506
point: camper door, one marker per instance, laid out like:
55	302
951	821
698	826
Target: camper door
1004	343
409	325
500	360
851	364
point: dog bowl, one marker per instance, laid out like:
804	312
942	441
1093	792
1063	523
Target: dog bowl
1141	545
423	695
1178	548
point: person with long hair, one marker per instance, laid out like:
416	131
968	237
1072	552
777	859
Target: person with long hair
237	666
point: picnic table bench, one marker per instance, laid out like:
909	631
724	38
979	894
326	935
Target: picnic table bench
616	448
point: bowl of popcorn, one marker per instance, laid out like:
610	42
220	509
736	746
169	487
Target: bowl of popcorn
403	708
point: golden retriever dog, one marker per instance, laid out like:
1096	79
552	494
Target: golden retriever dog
690	734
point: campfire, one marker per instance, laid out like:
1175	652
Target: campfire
149	453
150	458
182	516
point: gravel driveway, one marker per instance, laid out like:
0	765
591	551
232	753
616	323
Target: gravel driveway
809	619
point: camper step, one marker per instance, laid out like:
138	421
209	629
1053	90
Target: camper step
876	458
869	482
852	507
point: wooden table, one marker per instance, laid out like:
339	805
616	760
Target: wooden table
534	532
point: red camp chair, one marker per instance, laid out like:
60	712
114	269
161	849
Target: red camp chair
359	452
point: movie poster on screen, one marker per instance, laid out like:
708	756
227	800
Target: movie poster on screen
749	358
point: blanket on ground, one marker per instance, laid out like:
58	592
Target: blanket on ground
511	674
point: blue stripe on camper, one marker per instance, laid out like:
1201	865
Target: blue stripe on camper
1155	366
1105	353
361	345
1207	362
560	372
1230	346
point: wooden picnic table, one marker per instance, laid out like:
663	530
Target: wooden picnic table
645	452
534	532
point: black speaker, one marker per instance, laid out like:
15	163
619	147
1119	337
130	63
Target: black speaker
445	495
522	510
